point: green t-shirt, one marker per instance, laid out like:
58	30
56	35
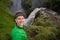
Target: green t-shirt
18	33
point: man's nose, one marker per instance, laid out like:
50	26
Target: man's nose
20	19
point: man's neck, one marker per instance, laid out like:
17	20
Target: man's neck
20	25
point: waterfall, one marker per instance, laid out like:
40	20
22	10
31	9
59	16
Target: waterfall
16	6
31	17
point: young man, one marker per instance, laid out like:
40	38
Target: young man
18	32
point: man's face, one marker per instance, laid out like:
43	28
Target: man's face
20	20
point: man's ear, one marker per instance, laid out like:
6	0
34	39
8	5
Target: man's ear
15	20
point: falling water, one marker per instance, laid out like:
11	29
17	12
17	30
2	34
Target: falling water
16	6
31	17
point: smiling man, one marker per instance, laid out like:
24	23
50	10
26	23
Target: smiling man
18	32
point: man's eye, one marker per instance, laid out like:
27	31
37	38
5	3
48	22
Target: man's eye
19	18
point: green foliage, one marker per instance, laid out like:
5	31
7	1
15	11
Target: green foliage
44	22
42	29
28	11
42	33
6	20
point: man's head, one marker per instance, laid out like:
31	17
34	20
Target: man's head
19	18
